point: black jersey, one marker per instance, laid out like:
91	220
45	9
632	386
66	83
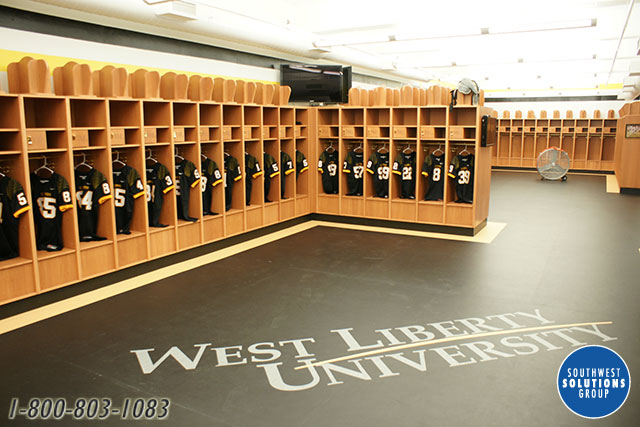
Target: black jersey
405	167
159	183
52	197
92	190
328	167
433	169
301	163
187	177
354	166
232	174
287	168
271	170
13	203
253	171
378	166
210	177
461	169
127	186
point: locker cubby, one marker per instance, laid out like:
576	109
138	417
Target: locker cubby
287	116
433	116
504	125
185	114
582	126
88	113
567	145
378	116
56	140
235	149
45	112
528	150
568	126
542	143
10	142
530	126
252	116
555	126
124	113
189	234
352	116
254	148
163	135
9	112
328	117
165	155
302	117
210	114
405	117
232	115
348	145
517	126
214	152
462	116
97	137
157	113
580	152
594	152
272	147
515	156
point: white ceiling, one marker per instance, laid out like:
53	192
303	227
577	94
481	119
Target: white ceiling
446	40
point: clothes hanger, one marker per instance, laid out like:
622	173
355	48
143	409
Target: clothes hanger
48	172
358	149
117	163
178	156
83	166
439	149
330	148
150	161
464	151
203	156
408	149
383	149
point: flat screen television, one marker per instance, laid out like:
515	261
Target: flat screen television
316	83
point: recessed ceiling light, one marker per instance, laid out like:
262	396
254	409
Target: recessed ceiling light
520	60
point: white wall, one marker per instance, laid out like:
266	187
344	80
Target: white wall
562	106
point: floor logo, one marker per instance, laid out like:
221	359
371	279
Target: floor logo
593	381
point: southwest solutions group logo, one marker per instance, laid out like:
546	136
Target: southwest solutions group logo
593	381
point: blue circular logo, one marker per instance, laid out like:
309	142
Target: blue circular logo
593	381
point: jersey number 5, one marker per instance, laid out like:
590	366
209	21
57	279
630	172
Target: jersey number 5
47	207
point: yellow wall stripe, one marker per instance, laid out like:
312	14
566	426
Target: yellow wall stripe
9	56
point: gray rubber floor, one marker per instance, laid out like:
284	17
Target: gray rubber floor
569	254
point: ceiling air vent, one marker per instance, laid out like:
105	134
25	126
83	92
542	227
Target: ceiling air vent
175	9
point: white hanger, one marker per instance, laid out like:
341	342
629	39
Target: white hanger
84	164
44	168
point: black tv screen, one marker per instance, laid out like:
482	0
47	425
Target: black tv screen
319	83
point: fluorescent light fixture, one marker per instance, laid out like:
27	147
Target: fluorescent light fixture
634	69
351	39
438	35
541	26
